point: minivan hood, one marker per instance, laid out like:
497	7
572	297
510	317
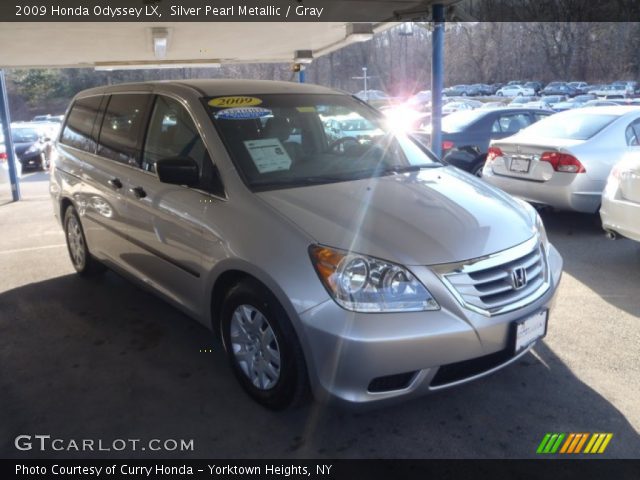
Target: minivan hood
434	216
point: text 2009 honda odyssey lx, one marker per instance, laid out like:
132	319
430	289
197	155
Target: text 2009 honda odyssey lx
331	252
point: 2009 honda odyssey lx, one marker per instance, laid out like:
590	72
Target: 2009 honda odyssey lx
354	265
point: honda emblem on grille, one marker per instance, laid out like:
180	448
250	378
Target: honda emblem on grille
518	278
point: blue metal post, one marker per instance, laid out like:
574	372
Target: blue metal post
437	76
301	75
5	118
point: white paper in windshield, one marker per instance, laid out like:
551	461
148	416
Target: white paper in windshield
268	155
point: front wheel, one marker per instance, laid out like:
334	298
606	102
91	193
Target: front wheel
262	347
82	260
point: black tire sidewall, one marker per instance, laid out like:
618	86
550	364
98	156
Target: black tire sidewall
71	212
291	364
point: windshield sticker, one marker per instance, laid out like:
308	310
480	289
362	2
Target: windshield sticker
243	113
306	109
228	102
268	155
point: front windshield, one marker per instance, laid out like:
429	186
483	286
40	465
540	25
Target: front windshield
290	140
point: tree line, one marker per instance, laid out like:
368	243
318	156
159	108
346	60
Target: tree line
397	60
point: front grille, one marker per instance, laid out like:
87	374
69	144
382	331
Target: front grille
454	372
490	285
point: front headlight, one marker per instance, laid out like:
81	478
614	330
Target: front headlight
364	284
542	232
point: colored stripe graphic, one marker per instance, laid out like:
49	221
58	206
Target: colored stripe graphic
572	443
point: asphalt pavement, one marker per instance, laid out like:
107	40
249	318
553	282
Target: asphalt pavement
103	359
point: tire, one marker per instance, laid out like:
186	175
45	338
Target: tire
81	259
262	347
519	94
499	94
477	170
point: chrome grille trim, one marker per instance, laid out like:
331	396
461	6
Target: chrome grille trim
483	284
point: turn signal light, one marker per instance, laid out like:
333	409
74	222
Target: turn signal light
563	162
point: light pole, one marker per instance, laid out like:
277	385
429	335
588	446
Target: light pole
364	77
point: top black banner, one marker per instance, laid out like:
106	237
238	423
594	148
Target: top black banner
317	10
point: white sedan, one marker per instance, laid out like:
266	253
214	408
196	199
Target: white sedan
515	91
620	211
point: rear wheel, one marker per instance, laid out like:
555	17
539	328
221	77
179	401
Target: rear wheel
262	347
81	258
477	170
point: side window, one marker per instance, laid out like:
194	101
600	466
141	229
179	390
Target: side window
79	126
632	134
539	116
172	133
123	127
511	123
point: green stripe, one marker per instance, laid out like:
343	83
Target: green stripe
558	442
550	443
543	443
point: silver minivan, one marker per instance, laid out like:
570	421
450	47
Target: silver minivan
353	266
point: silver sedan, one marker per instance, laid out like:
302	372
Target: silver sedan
563	161
620	210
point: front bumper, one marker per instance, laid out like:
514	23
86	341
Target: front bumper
32	159
346	351
565	191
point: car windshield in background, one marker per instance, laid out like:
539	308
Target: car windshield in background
292	140
574	126
458	121
24	135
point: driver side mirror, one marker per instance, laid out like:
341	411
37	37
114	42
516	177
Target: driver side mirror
178	171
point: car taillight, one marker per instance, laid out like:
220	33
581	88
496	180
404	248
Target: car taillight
447	145
3	156
493	153
563	162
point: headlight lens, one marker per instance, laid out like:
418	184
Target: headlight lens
364	284
544	240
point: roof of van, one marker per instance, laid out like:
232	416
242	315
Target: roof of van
217	87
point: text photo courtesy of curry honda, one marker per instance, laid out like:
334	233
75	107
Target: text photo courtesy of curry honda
328	240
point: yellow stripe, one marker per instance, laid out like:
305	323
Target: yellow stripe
584	439
605	443
567	442
590	444
574	443
596	445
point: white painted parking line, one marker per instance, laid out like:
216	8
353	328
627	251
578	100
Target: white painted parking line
18	250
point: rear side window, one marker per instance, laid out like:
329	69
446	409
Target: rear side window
123	127
510	123
633	134
78	131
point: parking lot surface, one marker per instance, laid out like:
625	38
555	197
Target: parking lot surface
103	359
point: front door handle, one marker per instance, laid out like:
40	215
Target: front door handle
115	183
138	192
